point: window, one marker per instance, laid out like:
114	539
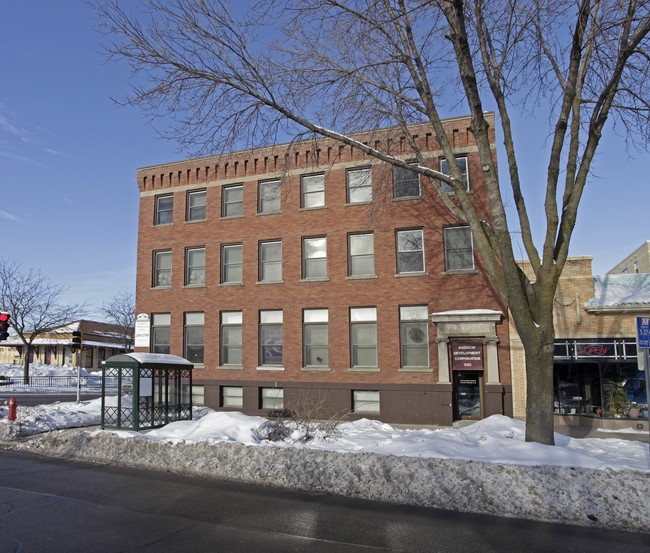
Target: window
231	263
271	398
462	165
195	266
160	332
194	337
232	396
271	338
232	201
363	336
162	268
164	210
414	336
359	186
365	401
315	337
195	206
312	191
459	250
231	338
268	196
198	395
410	251
270	261
314	257
406	183
361	248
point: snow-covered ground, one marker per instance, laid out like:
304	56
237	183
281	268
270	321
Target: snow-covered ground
484	467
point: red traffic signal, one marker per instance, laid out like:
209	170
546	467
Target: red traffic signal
4	325
76	340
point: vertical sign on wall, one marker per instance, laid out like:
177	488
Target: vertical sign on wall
142	331
643	345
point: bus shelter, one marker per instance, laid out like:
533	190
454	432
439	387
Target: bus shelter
153	389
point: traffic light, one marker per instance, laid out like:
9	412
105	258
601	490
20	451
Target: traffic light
76	340
4	325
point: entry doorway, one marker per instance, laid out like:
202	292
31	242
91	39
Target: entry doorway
468	395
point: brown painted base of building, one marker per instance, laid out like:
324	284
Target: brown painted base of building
398	404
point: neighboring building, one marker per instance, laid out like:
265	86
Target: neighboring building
636	262
597	372
100	341
309	270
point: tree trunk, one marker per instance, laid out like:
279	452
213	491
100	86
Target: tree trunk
539	392
28	351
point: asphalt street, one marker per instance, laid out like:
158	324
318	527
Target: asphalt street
55	505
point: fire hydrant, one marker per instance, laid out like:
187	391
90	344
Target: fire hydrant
13	407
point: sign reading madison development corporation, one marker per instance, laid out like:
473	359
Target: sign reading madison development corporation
467	356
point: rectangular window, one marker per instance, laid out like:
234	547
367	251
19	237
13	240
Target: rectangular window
365	401
462	165
406	183
315	337
232	396
232	201
198	395
270	261
194	337
164	210
271	338
195	266
196	206
361	248
271	398
459	249
414	336
161	323
231	263
231	338
410	251
268	196
162	268
312	191
314	257
359	186
363	336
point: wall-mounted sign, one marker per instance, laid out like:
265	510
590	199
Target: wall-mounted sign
466	356
142	331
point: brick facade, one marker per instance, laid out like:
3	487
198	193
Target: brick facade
410	395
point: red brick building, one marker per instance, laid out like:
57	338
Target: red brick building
309	270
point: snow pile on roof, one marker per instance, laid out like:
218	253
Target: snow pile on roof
621	290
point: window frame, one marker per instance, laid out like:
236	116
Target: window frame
352	257
225	399
189	268
261	197
266	393
305	195
225	266
308	263
349	188
471	248
160	321
227	204
230	320
187	331
158	271
415	316
399	251
264	264
465	174
367	402
397	182
312	318
158	211
363	317
270	319
189	208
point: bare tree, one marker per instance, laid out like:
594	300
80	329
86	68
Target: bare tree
34	305
221	76
120	311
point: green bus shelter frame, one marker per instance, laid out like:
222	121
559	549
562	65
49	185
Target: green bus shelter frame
153	389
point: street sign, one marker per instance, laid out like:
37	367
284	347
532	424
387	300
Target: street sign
643	332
